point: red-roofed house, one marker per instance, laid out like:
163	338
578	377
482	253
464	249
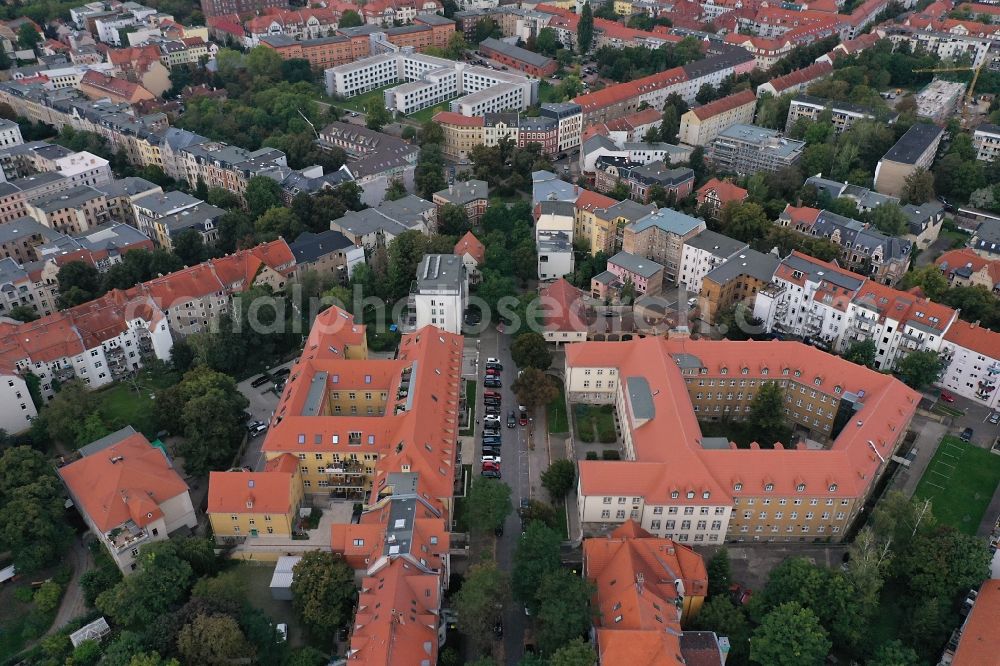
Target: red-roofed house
142	65
565	317
797	81
717	193
979	642
256	504
99	86
701	125
965	268
678	484
461	133
473	254
128	493
972	362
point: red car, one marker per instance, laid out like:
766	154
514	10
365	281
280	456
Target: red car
523	418
947	397
493	371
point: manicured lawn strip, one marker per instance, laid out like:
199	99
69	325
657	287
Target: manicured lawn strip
556	412
960	481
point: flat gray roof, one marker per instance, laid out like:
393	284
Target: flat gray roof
633	263
440	271
640	397
913	144
717	244
515	52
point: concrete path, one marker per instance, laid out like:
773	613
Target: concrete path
73	605
929	434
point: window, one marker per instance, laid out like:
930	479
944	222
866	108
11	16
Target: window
672	510
686	525
657	510
720	510
833	487
655	525
621	500
359	542
768	487
607	500
689	511
605	514
738	487
670	524
620	514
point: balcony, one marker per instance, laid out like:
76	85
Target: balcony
64	374
128	535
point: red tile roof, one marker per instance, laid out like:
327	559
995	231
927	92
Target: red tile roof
471	245
115	86
250	492
800	76
725	191
967	257
624	91
724	104
976	338
452	118
980	641
125	481
563	307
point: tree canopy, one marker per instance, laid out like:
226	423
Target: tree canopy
323	592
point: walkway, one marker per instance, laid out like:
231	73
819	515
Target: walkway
72	604
929	434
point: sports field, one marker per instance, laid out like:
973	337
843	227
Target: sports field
960	482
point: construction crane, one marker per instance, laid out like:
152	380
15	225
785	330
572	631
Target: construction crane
970	91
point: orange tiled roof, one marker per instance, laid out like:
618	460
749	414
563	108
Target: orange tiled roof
591	201
125	481
980	641
469	244
114	86
800	76
563	307
850	462
725	104
974	337
452	118
250	492
725	190
967	257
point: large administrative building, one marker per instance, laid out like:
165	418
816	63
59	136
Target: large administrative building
677	483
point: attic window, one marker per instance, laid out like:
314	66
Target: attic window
335	439
690	494
302	438
706	495
833	487
800	488
768	487
837	389
763	371
674	494
371	439
724	371
335	379
737	487
818	381
798	373
368	379
745	371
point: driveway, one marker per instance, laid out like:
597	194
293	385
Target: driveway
263	401
72	605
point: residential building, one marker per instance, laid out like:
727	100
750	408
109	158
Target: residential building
157	205
601	221
203	218
704	252
321	52
569	117
923	223
639	152
102	247
706	490
96	85
121	194
554	239
19	238
986	238
702	124
641	178
17	410
471	195
715	194
376	159
866	200
374	227
939	99
842	114
440	293
328	253
864	249
461	133
660	236
212	8
735	283
473	254
978	642
796	81
986	141
965	268
128	493
518	58
73	211
634	572
629	128
541	130
10	133
645	276
971	356
914	150
745	149
26	286
243	504
565	316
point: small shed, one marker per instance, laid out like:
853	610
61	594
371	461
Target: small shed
281	580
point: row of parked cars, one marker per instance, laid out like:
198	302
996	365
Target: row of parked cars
492	439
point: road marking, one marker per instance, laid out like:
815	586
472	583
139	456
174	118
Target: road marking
935	485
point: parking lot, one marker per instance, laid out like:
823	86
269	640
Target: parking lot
263	401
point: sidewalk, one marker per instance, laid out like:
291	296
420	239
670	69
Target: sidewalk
929	435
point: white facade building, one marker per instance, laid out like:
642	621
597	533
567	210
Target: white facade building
10	133
554	239
85	168
441	292
972	363
16	408
702	253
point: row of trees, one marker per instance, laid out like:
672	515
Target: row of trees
903	566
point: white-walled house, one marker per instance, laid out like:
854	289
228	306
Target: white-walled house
972	363
441	292
16	408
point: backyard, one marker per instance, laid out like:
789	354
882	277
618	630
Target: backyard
960	481
556	412
357	103
595	423
131	403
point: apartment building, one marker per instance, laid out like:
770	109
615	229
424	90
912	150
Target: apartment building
865	199
971	355
518	58
965	268
735	282
202	218
10	133
640	152
645	276
157	205
19	238
569	117
948	44
122	193
556	129
25	286
565	316
328	253
128	493
842	114
704	252
102	247
376	227
221	7
17	410
986	141
246	504
642	178
660	236
473	255
601	221
677	484
715	194
796	81
73	211
702	124
96	85
461	133
746	149
471	195
440	293
864	249
914	150
554	223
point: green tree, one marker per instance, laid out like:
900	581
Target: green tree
213	640
262	194
531	351
744	221
376	115
480	601
199	552
536	556
47	596
862	352
278	223
766	420
920	368
431	132
78	282
670	124
396	190
190	247
918	187
889	219
350	19
720	615
32	526
719	573
929	278
706	93
453	220
961	561
323	592
428	177
488	504
868	565
789	635
222	198
533	388
575	653
23	313
68	410
559	478
27	36
161	581
585	28
546	42
894	653
564	612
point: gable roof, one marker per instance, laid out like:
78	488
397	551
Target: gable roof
469	244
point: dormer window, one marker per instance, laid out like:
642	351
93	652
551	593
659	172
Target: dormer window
690	494
737	487
763	371
745	371
768	487
817	381
837	389
800	488
706	495
674	494
798	373
833	487
724	371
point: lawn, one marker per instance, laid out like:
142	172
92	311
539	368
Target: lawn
424	115
358	103
548	93
595	423
470	399
960	481
256	580
121	404
556	412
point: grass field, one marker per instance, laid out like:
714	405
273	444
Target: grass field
358	103
556	412
591	419
122	405
424	115
960	481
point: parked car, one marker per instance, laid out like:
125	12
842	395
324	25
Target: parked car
491	459
491	359
490	452
260	381
966	435
491	474
511	419
492	410
947	397
492	372
494	366
256	428
281	372
523	416
995	418
492	394
492	427
493	440
492	382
